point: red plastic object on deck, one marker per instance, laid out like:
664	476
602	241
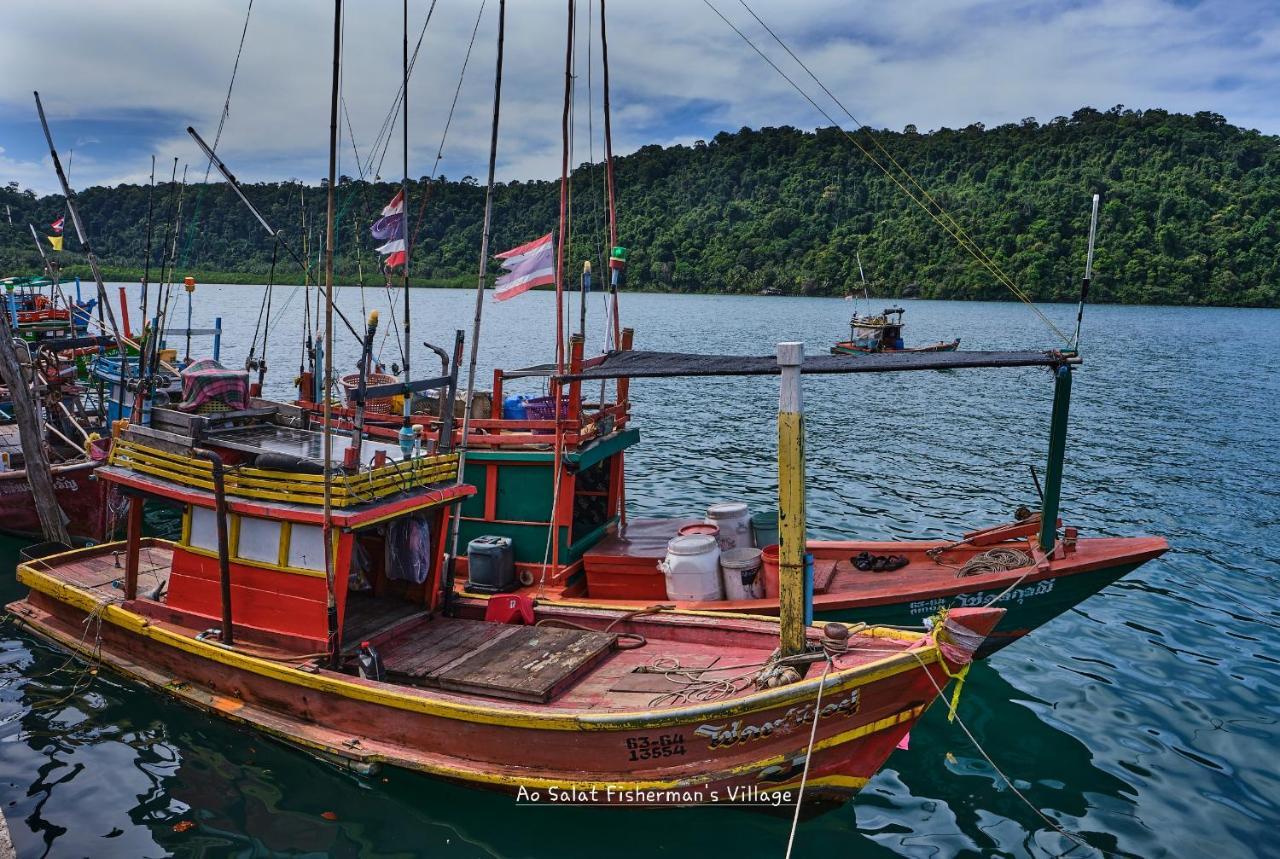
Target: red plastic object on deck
510	608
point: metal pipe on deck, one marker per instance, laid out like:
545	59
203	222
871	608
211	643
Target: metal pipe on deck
791	506
224	550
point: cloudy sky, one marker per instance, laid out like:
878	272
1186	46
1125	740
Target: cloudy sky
121	79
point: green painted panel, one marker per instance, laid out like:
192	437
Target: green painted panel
524	492
529	542
592	452
475	474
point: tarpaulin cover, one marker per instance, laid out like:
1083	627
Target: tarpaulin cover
207	381
634	365
409	550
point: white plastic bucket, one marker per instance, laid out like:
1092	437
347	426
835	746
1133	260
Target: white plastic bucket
740	571
692	568
734	521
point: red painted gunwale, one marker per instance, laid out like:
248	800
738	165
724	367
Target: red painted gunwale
851	589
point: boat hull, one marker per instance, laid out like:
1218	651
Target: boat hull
83	497
711	752
1031	596
850	348
1027	606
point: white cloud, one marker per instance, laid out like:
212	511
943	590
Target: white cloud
677	72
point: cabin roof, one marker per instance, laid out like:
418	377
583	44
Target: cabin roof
395	506
632	364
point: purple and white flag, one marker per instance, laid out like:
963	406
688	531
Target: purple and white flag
532	264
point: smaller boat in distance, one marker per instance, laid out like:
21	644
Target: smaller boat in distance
883	333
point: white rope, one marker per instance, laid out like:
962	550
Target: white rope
804	775
1071	836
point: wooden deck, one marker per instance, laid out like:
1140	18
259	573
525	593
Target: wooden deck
523	663
466	659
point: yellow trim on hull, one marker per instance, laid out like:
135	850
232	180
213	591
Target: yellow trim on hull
235	710
141	626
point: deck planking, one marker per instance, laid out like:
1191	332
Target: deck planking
522	663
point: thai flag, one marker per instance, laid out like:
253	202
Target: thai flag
390	229
57	225
527	266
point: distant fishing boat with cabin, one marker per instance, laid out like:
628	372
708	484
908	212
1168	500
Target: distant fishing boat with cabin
882	332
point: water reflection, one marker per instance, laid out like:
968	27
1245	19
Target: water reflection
1144	719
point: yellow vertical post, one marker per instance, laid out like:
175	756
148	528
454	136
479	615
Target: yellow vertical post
791	515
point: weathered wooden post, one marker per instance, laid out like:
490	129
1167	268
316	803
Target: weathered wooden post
26	414
791	513
1057	455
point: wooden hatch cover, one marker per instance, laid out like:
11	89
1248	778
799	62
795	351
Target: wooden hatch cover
522	663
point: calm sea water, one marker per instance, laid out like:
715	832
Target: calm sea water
1145	720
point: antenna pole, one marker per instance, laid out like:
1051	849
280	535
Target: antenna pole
1088	273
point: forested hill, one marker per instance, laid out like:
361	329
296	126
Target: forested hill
1188	215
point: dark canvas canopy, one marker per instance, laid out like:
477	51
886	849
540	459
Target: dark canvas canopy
635	365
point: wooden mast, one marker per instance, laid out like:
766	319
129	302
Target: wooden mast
610	190
557	501
330	576
481	277
406	428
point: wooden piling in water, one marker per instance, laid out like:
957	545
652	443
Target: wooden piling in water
791	512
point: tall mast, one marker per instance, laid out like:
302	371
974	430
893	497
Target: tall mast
564	194
404	217
330	577
608	179
480	281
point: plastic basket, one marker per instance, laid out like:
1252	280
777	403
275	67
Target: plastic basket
381	406
543	408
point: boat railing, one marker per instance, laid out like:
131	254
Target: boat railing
348	489
579	420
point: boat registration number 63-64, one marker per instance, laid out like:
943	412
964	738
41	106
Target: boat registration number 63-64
661	746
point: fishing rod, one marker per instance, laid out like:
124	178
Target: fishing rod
146	260
276	234
1088	272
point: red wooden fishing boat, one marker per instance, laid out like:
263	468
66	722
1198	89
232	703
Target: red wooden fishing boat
371	667
556	488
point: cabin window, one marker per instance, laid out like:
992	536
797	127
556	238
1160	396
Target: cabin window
306	547
259	540
203	530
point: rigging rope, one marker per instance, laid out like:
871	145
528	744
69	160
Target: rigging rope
941	217
226	104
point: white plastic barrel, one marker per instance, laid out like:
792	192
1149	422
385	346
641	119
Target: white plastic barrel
692	568
740	571
734	521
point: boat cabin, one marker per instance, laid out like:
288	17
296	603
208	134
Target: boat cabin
262	469
553	483
881	333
